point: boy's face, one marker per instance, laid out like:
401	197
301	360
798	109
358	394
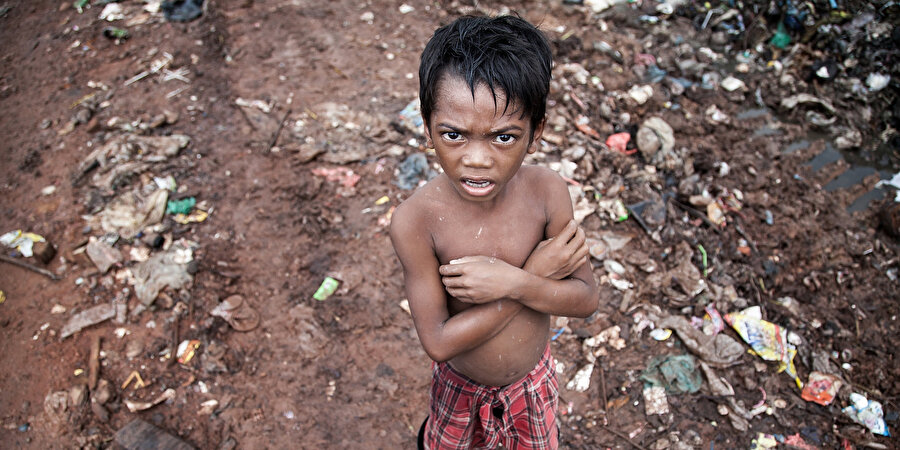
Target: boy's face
479	146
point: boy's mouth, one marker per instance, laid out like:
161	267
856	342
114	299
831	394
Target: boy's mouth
477	187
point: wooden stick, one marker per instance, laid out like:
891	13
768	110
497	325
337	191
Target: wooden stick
174	340
94	364
278	130
30	267
607	419
625	437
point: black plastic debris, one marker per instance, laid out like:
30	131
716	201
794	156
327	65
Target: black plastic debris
182	10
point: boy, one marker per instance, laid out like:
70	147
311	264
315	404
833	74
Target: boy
481	282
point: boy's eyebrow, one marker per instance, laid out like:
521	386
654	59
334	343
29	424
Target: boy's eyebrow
496	131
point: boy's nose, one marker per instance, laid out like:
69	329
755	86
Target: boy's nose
477	156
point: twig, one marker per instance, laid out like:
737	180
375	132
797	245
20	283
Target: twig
740	230
31	267
625	437
698	214
278	130
94	364
174	339
607	419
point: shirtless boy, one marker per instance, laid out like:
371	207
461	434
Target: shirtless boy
488	248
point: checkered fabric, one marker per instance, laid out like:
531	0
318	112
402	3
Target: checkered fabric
466	414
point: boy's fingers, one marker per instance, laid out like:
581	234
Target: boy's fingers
450	282
578	238
581	254
469	259
566	232
450	270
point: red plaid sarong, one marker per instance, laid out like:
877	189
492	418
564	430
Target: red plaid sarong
466	414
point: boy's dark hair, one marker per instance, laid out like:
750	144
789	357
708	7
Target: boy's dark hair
506	53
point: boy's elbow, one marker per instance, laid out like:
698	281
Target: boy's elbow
436	353
591	308
590	305
435	349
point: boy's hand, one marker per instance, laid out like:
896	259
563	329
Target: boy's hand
477	279
556	258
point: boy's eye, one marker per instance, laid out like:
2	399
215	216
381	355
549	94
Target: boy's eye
452	136
506	138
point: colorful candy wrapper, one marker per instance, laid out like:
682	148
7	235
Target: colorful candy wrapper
763	441
186	350
867	413
821	388
768	340
712	321
21	241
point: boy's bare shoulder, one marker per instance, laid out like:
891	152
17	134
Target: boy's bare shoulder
419	206
541	179
539	172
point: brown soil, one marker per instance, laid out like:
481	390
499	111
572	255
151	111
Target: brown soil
348	372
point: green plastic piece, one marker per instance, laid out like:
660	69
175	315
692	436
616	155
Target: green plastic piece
678	374
781	38
116	33
183	206
329	285
705	264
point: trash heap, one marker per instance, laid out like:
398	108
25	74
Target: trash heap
652	135
660	121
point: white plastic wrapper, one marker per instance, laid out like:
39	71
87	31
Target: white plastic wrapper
582	379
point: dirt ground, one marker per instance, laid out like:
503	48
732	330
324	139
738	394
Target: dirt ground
270	92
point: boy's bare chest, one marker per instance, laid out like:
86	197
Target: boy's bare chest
509	236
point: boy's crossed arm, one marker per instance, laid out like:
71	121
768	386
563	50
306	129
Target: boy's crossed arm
556	279
444	337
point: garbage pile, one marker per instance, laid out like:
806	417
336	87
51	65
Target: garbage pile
653	123
650	137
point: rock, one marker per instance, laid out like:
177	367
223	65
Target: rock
103	393
641	94
647	142
655	134
140	435
850	139
133	348
87	318
100	411
102	254
77	394
731	84
56	407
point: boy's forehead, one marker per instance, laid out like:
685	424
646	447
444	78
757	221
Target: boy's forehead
455	88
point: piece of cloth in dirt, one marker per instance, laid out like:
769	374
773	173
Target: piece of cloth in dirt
466	414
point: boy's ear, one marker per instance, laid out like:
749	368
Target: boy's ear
536	136
429	143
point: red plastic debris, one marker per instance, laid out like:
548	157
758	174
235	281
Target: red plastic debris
618	142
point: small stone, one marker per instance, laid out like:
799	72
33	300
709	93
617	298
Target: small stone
100	411
719	38
93	125
647	142
103	393
158	121
83	115
133	348
171	116
77	394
